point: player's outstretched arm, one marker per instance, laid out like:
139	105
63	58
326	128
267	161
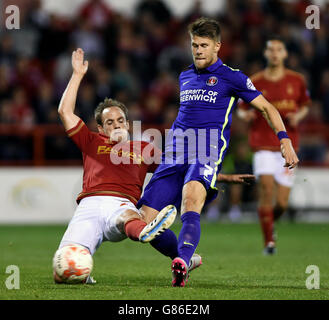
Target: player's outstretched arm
236	178
67	103
273	118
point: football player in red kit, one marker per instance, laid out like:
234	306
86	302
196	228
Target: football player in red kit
114	170
286	90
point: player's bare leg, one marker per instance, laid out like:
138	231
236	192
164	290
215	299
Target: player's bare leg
127	216
148	214
282	199
130	223
265	211
193	198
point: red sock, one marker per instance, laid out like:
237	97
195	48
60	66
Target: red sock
266	223
133	228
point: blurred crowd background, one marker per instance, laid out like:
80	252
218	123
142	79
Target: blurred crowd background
137	59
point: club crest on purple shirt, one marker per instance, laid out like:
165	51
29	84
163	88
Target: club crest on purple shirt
212	81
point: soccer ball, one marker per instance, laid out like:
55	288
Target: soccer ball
72	264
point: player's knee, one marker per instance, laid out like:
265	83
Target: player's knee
126	217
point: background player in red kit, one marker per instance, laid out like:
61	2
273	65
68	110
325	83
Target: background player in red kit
286	90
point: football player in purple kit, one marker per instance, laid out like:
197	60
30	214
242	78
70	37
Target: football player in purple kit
186	178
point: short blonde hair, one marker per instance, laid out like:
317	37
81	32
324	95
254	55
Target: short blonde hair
206	28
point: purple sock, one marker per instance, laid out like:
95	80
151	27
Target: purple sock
166	243
189	235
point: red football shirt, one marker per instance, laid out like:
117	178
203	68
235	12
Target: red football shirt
116	169
287	94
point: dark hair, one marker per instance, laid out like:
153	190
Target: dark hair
205	27
275	37
108	103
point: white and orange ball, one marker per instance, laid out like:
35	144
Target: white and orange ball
72	264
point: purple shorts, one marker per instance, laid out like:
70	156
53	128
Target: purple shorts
166	184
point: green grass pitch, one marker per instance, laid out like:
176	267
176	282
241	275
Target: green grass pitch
233	265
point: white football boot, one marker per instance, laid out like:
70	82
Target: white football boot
195	262
162	221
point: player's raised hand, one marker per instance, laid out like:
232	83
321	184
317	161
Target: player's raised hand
79	65
288	153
